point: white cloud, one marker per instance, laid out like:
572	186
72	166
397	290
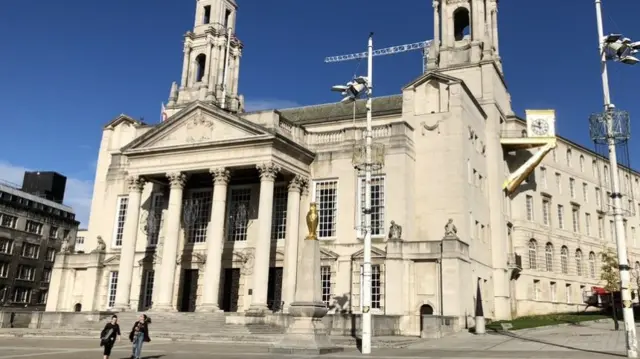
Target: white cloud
78	193
268	104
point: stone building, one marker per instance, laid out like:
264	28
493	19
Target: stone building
32	232
202	212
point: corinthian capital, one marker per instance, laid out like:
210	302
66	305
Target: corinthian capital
298	183
177	179
268	171
135	183
220	175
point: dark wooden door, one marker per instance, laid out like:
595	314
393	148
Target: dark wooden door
231	289
189	290
274	291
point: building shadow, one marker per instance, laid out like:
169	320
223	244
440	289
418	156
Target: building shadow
532	340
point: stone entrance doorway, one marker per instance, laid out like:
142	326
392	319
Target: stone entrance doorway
274	291
189	290
231	289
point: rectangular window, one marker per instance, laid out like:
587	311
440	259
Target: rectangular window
121	215
4	270
113	284
325	280
227	16
239	204
6	246
585	193
22	295
612	229
536	290
587	223
79	244
279	218
196	213
572	187
26	273
376	286
51	254
600	227
206	18
575	219
598	198
326	196
33	227
377	205
560	216
546	211
148	289
8	221
559	182
30	251
552	291
154	219
43	296
46	275
53	232
529	200
609	204
567	291
543	176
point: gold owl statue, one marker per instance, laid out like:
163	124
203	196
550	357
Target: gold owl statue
312	222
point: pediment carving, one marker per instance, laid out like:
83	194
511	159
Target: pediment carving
375	253
193	257
326	254
150	258
112	260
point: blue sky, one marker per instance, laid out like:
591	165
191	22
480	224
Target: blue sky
68	67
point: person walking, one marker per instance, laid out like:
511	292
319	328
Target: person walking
139	335
109	335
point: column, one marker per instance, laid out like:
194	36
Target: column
494	25
177	181
305	200
185	66
214	56
291	241
268	173
222	56
215	241
436	22
128	249
236	69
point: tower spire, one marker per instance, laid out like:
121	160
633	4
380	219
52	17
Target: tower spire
211	63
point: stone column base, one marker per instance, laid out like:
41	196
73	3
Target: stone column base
209	308
307	334
257	310
163	308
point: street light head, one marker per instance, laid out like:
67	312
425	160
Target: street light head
611	38
363	80
339	88
635	45
629	60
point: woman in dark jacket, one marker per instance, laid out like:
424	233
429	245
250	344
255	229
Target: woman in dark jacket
139	334
108	336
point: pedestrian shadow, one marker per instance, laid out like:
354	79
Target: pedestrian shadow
148	356
515	336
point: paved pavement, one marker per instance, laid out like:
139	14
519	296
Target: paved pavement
595	340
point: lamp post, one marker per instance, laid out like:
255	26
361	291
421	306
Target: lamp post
352	91
614	126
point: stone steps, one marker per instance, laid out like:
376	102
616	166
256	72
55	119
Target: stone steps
220	337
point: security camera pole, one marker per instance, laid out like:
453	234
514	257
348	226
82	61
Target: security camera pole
627	311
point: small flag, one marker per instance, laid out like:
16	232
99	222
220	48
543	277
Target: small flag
163	113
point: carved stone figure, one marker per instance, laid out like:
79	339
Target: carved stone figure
395	231
312	222
450	229
65	247
101	245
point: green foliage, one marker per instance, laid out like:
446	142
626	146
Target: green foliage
548	319
610	273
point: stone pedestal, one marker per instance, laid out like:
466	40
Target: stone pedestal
307	333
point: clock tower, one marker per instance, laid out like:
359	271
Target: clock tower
211	62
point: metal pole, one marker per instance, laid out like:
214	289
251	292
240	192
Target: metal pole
621	244
366	293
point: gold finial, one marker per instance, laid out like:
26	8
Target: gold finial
312	222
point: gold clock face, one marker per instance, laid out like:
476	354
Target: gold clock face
539	127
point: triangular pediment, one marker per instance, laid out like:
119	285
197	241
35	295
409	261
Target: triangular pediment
198	123
115	259
432	76
328	255
122	118
375	253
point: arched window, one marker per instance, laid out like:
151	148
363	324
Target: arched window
461	22
568	158
594	168
533	254
201	62
564	260
548	257
581	163
592	264
578	262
